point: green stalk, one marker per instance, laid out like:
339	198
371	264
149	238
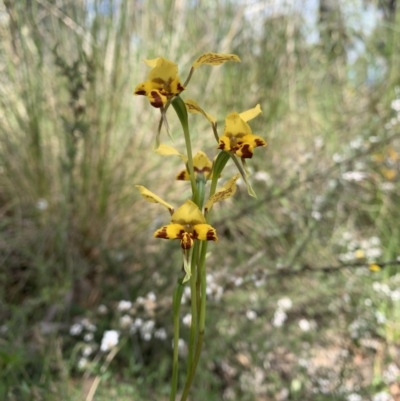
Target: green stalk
180	109
176	305
201	326
193	296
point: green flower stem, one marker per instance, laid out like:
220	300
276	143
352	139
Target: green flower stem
176	305
193	293
189	77
201	326
180	109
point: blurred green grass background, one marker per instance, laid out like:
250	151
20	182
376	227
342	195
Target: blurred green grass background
294	312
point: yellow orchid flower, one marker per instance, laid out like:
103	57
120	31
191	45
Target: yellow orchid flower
187	224
163	82
202	165
238	137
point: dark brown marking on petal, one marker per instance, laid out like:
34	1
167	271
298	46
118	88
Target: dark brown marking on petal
186	241
181	176
157	100
211	235
161	233
221	145
202	170
246	151
140	92
259	142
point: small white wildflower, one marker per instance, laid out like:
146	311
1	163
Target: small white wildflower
140	300
124	306
285	303
125	321
3	329
375	241
42	204
374	139
83	363
88	337
161	334
137	324
380	317
251	315
88	350
354	397
279	318
387	186
373	253
146	330
316	215
395	295
76	329
391	374
102	309
354	176
109	340
151	296
238	281
382	396
304	363
259	283
367	302
88	325
304	325
395	105
356	143
219	291
337	158
182	347
318	142
187	320
262	176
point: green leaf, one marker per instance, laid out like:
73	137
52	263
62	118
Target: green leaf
180	109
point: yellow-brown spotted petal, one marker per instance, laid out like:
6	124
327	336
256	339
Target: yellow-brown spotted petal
254	140
215	59
164	70
157	99
202	164
250	114
153	198
225	192
146	87
245	151
176	87
186	243
194	108
236	126
166	150
205	232
170	231
188	213
183	176
224	143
